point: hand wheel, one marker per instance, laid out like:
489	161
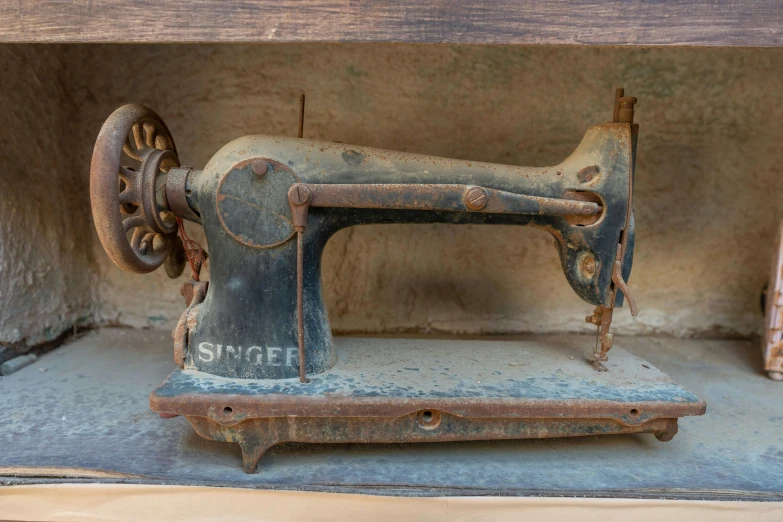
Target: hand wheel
132	155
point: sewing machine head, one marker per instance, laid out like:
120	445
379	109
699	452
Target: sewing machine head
265	201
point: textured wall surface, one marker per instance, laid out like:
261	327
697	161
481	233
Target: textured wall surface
707	195
46	248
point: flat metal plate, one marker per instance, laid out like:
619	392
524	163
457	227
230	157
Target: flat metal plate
425	390
393	377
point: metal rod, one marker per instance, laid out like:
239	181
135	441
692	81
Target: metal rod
300	302
301	114
618	93
443	197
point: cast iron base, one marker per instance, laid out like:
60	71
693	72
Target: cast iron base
422	390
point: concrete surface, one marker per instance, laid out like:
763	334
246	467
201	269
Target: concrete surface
707	195
82	412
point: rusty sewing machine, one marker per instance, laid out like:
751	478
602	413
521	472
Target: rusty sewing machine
257	363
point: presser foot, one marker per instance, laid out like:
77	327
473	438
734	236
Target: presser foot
422	390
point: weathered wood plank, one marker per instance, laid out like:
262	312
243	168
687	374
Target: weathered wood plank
577	22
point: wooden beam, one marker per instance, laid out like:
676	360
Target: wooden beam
531	22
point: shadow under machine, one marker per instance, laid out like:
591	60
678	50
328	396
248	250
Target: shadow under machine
257	363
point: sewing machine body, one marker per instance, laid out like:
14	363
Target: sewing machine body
257	364
246	326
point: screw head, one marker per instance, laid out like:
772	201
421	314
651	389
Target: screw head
588	174
259	167
588	266
299	194
476	198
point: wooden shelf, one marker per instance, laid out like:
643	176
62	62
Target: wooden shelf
528	22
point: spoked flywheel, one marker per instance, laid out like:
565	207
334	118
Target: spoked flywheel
132	155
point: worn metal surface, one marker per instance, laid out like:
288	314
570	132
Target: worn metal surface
194	293
251	201
300	134
177	191
604	312
462	198
249	225
256	436
473	377
175	261
445	197
249	204
90	411
625	110
243	210
395	390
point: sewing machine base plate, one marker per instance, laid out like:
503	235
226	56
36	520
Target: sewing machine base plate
425	390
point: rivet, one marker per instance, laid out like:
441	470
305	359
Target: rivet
259	167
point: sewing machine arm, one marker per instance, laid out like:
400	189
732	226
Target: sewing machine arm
269	205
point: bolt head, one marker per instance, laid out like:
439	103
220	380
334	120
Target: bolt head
299	194
588	174
476	198
259	167
588	266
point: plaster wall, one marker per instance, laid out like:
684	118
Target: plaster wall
707	195
47	268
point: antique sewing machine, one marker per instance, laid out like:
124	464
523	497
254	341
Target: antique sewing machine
257	361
